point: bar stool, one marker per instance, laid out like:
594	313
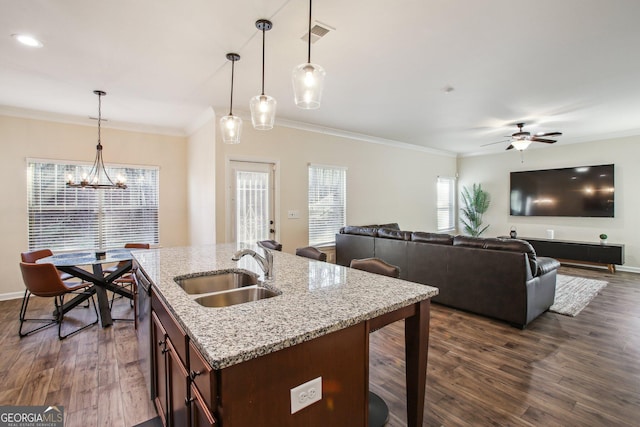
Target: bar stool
271	244
378	409
311	253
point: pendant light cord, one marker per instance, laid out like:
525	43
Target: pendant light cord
309	35
233	63
263	38
99	119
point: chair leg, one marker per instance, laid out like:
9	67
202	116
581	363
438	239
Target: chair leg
23	313
59	308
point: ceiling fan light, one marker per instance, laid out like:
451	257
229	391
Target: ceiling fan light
263	111
231	129
308	81
521	144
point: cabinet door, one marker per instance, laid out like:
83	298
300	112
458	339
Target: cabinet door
158	350
200	415
179	411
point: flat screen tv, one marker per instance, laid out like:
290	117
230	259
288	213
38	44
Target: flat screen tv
584	191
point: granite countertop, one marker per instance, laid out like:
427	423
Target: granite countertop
317	298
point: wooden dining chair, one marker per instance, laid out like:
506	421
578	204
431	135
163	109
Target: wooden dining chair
43	280
126	280
378	409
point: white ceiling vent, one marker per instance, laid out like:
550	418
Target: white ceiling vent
318	31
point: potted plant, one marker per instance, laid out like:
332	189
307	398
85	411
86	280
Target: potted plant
476	202
603	239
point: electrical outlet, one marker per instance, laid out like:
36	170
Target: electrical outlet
306	394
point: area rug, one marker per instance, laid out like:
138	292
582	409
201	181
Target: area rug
573	294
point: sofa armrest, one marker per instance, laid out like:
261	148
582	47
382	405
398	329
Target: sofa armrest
546	264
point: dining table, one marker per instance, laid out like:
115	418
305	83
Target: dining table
77	263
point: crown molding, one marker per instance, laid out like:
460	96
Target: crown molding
24	113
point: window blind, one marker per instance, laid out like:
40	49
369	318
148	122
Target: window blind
446	203
62	218
327	203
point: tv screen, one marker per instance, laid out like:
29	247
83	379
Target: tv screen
585	191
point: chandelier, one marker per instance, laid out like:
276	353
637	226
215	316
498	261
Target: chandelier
98	177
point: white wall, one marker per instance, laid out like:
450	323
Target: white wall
384	184
201	176
27	138
493	173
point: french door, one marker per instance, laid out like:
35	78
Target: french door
252	212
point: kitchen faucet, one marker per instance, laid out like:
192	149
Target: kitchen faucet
265	263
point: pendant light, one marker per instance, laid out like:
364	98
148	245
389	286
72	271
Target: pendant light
98	177
263	107
308	79
231	126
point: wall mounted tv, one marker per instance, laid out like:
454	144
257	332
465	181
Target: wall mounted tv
584	191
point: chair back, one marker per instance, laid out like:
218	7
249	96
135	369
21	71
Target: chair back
375	265
137	246
42	279
312	253
271	244
33	256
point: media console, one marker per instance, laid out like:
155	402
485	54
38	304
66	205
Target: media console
609	254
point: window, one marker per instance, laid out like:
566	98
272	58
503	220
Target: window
62	218
327	203
446	203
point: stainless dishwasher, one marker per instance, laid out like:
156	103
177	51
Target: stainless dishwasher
143	322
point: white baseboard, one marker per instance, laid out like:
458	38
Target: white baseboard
11	295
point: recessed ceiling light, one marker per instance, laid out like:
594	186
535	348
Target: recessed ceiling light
27	40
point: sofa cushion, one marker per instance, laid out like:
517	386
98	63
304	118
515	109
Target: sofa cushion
390	226
394	234
361	231
469	241
546	264
515	245
437	238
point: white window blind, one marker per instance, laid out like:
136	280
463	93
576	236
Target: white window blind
327	203
62	218
446	200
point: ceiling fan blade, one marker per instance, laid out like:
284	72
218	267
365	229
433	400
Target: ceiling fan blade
547	141
549	134
493	143
510	147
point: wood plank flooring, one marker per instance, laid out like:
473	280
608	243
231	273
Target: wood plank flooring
560	371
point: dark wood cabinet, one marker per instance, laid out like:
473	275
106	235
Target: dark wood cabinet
609	254
159	367
170	371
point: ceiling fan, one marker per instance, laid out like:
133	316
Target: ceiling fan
521	139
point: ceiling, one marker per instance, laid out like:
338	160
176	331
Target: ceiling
570	65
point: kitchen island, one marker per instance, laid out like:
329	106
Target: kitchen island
254	353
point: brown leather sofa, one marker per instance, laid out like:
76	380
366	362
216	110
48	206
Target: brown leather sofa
496	277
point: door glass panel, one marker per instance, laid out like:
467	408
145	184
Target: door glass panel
252	206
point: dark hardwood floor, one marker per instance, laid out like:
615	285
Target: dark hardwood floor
560	371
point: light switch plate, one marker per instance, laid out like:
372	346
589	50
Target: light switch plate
293	214
306	394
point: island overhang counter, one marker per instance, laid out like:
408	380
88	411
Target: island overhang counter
317	326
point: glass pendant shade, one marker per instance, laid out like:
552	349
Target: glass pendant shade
521	144
230	125
308	80
263	107
263	111
231	129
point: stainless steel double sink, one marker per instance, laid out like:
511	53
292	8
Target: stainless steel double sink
224	288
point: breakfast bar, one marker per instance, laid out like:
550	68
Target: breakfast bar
233	365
